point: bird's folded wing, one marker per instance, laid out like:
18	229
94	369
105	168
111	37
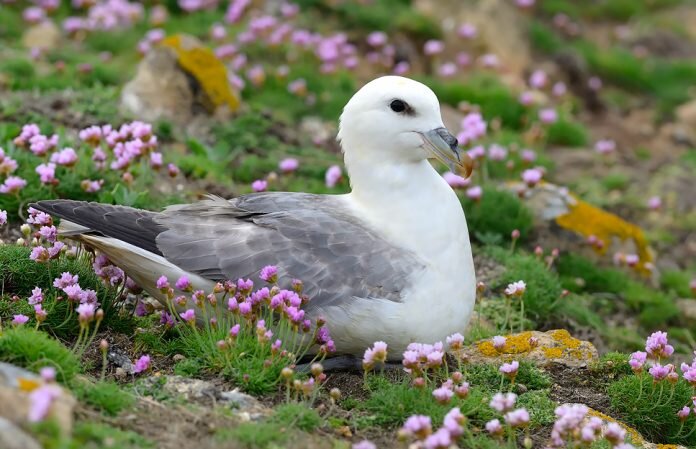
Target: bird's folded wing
309	237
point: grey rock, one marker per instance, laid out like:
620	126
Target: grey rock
12	437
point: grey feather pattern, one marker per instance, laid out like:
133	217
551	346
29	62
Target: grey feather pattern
309	237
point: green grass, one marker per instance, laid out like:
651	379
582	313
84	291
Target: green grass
651	408
33	350
496	215
390	404
487	377
567	133
107	397
676	281
596	279
543	291
540	406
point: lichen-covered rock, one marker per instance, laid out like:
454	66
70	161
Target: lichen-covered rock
555	204
16	384
556	346
177	80
632	435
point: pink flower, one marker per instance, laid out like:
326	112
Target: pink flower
455	181
259	185
401	68
418	425
499	342
3	217
443	394
142	364
297	87
36	296
162	283
489	60
474	193
494	427
66	279
510	369
269	273
538	79
594	83
614	433
333	175
467	31
48	373
376	39
447	70
12	184
657	345
455	341
288	165
85	312
605	146
433	47
183	284
40	401
525	3
528	156
438	440
654	203
516	288
660	372
684	413
548	115
637	360
19	319
532	176
234	330
559	89
47	173
503	402
497	152
517	418
66	157
189	315
365	444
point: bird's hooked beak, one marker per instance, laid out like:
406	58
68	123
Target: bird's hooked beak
444	147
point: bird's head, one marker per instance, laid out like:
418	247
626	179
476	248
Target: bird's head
396	119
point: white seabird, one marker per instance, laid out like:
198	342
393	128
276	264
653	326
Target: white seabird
391	260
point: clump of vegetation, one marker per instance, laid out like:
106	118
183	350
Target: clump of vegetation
496	214
105	396
567	133
34	350
595	279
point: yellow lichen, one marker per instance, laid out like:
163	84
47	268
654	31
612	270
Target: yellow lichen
201	63
588	220
27	385
633	434
564	338
552	353
514	344
667	446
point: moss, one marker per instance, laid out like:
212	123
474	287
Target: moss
656	308
32	349
540	407
651	408
487	376
498	213
611	366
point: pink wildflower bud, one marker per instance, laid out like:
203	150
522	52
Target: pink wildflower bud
499	342
494	427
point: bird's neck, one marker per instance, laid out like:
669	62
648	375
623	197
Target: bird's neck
410	202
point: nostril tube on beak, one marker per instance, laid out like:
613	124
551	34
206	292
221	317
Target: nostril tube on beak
448	138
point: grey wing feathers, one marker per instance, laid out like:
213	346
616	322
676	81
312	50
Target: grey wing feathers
134	226
309	237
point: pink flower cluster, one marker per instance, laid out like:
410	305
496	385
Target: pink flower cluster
419	427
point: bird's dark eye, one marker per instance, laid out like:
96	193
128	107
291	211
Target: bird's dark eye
398	106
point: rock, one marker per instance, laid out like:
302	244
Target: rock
489	17
554	347
160	89
686	118
16	384
177	80
44	36
687	307
244	406
12	437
